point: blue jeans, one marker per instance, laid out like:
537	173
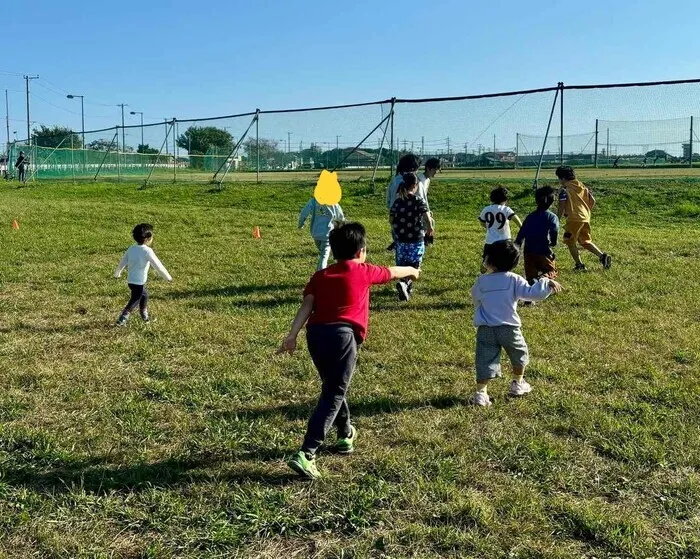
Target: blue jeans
324	252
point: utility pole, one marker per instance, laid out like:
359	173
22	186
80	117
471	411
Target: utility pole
82	114
26	79
289	139
337	150
422	145
448	146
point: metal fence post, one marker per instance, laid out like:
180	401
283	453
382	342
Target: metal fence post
174	152
119	169
690	155
391	139
257	147
561	123
595	156
517	145
72	161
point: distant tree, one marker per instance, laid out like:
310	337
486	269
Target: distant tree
55	136
145	148
269	152
657	154
102	145
199	140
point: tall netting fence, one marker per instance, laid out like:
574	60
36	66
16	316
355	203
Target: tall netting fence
622	125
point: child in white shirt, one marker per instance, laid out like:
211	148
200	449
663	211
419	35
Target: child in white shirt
496	218
496	296
138	259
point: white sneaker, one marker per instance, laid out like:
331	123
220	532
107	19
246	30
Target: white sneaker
519	388
480	399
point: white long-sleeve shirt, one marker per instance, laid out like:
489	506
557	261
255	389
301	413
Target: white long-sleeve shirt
392	191
496	297
138	259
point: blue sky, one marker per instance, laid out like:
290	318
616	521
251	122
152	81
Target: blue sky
189	60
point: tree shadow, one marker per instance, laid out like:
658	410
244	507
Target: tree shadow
53	329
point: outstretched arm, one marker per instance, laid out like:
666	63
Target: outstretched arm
538	291
120	267
289	344
401	272
158	265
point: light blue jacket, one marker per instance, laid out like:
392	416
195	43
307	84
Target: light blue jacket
496	297
323	218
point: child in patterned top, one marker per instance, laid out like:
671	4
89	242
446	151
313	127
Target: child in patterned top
410	222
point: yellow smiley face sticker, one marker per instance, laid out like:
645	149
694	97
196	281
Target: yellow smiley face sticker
327	189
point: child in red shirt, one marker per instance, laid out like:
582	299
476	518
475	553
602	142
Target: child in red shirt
336	306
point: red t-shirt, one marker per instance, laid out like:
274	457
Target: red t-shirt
341	293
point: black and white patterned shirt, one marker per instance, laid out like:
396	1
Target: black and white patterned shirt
407	219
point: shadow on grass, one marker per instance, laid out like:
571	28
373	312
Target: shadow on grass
89	476
358	408
53	329
238	290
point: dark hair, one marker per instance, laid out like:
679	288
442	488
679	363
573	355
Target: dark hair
409	183
565	173
544	197
503	255
499	195
433	163
142	232
347	240
408	163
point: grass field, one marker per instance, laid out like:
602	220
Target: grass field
169	440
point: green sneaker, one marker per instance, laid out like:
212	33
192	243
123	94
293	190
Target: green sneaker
347	444
303	466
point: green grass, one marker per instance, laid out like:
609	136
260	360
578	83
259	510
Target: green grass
169	440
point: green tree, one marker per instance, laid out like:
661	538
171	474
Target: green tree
55	136
269	152
145	148
102	145
199	140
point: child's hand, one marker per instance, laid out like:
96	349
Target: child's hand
289	344
415	274
555	287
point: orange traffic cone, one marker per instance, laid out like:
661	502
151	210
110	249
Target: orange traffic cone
15	225
256	232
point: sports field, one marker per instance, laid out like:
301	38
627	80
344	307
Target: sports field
169	440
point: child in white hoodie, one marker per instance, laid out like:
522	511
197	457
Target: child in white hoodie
496	295
138	259
324	219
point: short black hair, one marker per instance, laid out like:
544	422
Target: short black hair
142	232
503	255
499	195
544	197
408	163
433	163
347	240
565	173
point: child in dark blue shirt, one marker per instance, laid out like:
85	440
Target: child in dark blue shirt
540	231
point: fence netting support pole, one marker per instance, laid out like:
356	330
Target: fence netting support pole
595	156
391	138
109	149
172	127
690	154
544	143
353	150
229	160
72	159
157	158
517	150
257	147
381	146
561	123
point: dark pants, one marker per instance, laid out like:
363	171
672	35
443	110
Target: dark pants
333	349
139	296
22	170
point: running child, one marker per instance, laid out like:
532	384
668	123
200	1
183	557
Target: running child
411	222
138	259
323	219
432	168
576	202
408	163
496	295
539	231
336	306
496	218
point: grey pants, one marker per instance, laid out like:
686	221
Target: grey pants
333	349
